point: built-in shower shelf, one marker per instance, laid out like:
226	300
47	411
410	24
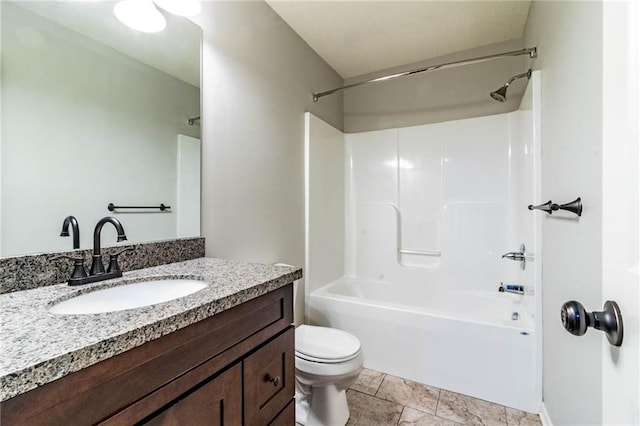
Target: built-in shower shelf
421	259
421	252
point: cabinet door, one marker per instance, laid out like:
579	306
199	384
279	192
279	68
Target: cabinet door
287	417
217	402
269	379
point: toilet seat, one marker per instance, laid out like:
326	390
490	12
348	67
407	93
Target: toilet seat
325	361
321	372
325	345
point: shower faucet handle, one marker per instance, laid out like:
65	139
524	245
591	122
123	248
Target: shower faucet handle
518	256
514	255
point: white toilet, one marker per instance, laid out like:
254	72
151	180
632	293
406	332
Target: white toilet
328	361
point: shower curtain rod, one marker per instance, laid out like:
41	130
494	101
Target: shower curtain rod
531	51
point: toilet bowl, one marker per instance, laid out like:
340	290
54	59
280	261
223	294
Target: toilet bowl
327	362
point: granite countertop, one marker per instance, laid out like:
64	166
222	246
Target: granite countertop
39	347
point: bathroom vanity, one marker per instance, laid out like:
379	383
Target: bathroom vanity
224	355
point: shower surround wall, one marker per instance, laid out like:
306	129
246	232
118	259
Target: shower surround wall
431	203
429	211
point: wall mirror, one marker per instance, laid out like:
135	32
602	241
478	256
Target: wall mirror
94	113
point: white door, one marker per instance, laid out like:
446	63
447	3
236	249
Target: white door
620	215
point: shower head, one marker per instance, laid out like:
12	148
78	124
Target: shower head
500	95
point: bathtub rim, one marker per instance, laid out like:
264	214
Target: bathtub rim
324	293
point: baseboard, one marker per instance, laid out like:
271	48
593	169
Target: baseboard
544	416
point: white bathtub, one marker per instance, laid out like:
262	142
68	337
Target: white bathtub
465	342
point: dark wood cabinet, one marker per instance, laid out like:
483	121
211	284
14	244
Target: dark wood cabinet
269	380
236	367
216	402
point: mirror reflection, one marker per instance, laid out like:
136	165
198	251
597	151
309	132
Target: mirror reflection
95	113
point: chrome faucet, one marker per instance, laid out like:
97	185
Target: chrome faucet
71	220
96	263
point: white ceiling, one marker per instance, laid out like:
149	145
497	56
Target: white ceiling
360	37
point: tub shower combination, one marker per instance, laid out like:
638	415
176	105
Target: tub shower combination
466	342
405	249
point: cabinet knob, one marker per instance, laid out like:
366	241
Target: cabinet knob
274	380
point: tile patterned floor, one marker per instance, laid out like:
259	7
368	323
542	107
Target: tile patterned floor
378	399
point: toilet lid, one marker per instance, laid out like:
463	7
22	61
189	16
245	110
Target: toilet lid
324	344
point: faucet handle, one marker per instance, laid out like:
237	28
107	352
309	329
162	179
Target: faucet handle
78	264
113	260
519	256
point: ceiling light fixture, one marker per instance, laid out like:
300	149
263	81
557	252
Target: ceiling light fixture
180	7
140	15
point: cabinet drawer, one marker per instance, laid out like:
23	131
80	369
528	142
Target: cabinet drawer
269	379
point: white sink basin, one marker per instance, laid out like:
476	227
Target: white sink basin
128	296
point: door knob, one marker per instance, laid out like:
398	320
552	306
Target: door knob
576	320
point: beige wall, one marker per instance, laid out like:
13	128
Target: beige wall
258	77
569	39
437	96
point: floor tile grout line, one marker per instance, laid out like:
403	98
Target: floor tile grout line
364	393
400	418
435	413
384	376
